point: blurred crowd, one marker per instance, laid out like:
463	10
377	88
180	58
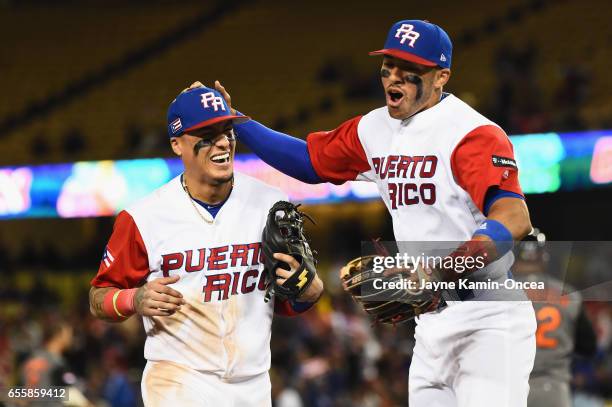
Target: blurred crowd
331	356
519	104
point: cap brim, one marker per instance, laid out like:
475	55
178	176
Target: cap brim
406	56
234	118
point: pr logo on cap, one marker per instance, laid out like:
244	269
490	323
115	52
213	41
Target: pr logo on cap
408	34
198	108
216	101
420	42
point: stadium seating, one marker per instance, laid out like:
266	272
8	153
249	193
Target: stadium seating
268	54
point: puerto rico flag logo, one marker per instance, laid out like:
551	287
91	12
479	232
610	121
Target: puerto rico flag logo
176	125
107	258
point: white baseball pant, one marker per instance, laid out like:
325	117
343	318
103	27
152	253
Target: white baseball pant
473	354
170	384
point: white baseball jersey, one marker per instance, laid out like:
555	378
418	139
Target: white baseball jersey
433	169
225	326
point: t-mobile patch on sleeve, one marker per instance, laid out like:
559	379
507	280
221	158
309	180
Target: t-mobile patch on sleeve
503	161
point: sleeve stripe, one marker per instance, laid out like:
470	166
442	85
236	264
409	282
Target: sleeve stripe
492	197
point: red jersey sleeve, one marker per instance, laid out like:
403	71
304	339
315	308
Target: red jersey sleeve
484	159
125	262
337	156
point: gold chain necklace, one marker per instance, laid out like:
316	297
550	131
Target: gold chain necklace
193	203
195	208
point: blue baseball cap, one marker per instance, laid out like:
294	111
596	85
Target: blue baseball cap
197	108
418	41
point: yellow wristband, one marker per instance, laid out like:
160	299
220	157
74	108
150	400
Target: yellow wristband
115	303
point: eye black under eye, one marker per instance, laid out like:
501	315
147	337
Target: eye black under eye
413	79
205	142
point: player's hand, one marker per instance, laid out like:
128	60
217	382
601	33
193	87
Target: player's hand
312	293
226	95
195	85
155	298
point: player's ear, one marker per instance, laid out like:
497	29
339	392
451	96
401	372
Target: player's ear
442	77
176	146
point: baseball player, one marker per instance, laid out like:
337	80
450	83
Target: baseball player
187	258
445	173
563	327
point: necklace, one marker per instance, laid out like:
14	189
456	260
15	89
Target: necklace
193	203
184	183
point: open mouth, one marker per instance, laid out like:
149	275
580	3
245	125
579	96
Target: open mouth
220	158
394	97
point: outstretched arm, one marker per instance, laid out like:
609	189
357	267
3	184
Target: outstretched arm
287	154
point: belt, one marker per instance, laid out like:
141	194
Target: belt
460	294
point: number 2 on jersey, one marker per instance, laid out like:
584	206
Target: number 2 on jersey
549	319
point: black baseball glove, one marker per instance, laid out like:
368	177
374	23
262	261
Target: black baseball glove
284	234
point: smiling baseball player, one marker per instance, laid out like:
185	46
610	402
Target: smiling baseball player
187	258
445	173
